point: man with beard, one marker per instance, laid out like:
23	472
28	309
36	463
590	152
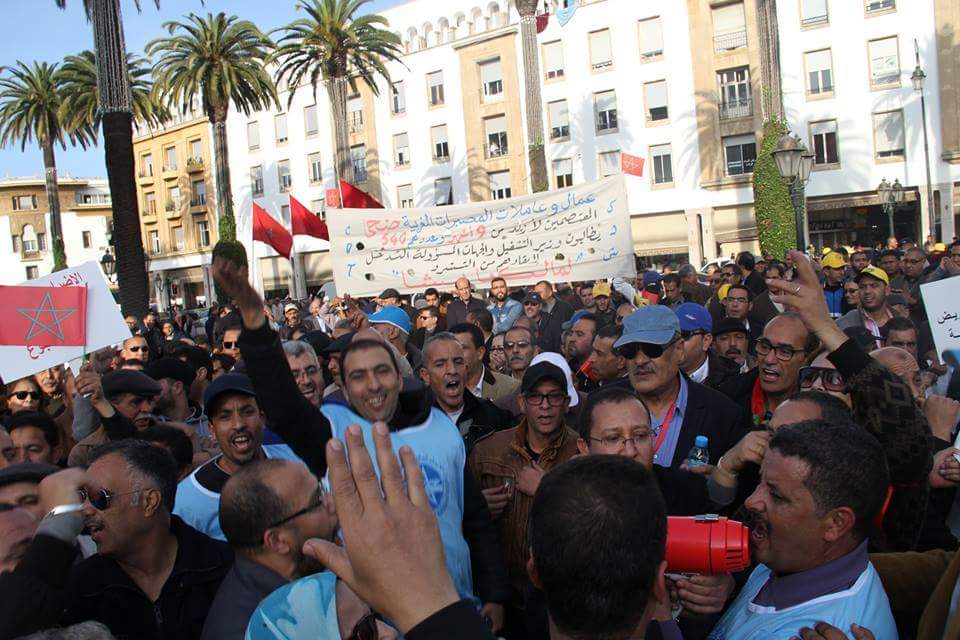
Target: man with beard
607	364
859	260
173	402
730	340
305	368
583	329
504	309
810	518
587	303
605	313
268	509
236	422
873	312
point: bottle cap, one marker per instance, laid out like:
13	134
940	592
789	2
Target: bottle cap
700	441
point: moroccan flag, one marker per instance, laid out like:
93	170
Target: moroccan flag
631	165
305	223
44	316
542	21
333	199
267	229
354	198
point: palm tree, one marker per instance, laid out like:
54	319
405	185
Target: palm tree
531	75
78	76
115	103
221	60
30	102
338	47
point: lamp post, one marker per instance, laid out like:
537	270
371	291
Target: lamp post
891	195
109	265
918	78
795	162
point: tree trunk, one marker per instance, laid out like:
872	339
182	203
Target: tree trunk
337	93
132	276
53	205
227	223
531	73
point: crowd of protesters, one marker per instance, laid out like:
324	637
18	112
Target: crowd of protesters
457	464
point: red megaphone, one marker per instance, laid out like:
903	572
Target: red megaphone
707	544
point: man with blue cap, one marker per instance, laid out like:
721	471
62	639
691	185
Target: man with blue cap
700	362
394	325
680	408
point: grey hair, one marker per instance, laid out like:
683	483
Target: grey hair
88	630
686	270
297	348
443	336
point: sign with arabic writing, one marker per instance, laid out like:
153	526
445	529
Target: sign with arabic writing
103	324
940	299
580	233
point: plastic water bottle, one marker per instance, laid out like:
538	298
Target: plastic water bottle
699	455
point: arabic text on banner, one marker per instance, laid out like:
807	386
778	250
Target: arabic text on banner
940	299
580	233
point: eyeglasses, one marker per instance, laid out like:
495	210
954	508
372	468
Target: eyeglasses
652	351
519	344
686	335
23	395
366	628
619	443
531	304
553	399
784	352
100	500
229	344
313	506
829	378
308	372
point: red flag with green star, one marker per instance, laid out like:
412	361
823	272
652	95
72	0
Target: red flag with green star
44	316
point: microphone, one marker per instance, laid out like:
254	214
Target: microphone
707	545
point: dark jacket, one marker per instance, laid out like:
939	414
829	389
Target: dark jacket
459	620
551	332
561	310
756	283
720	369
699	293
245	585
685	493
98	589
33	596
739	388
457	310
479	418
762	310
709	414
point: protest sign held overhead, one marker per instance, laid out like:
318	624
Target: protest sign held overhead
581	233
44	316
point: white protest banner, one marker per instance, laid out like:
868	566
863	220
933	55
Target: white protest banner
580	233
105	325
942	302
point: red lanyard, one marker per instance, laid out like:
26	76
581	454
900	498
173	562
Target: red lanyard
664	427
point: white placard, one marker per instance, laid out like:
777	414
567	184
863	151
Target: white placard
105	324
941	299
580	233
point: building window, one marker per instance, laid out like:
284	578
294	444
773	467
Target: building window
741	154
605	111
563	172
146	165
310	126
655	95
500	185
813	12
553	60
443	191
199	194
888	133
736	99
173	199
170	159
662	156
253	135
872	6
317	208
256	180
285	214
609	163
33	272
196	152
358	155
29	238
401	149
819	72
203	233
884	62
729	27
651	39
22	203
405	196
824	136
283	175
559	120
355	114
491	77
601	55
398	98
150	203
316	170
15	242
280	127
435	87
440	142
179	242
42	241
154	242
496	131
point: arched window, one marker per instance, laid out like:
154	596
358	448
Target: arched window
29	238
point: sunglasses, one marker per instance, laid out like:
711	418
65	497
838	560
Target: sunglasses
652	351
23	395
531	304
137	348
366	628
100	500
229	344
829	378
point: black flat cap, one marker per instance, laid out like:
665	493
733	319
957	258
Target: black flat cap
316	339
26	472
339	344
228	383
171	368
129	381
728	325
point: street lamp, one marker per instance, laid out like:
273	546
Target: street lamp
891	195
795	162
109	265
918	78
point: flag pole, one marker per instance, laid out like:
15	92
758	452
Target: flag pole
255	268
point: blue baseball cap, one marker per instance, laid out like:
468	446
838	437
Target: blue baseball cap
694	317
651	277
574	319
392	315
653	324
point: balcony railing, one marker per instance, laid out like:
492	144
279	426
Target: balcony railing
730	41
194	164
737	108
145	172
356	124
199	200
171	206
